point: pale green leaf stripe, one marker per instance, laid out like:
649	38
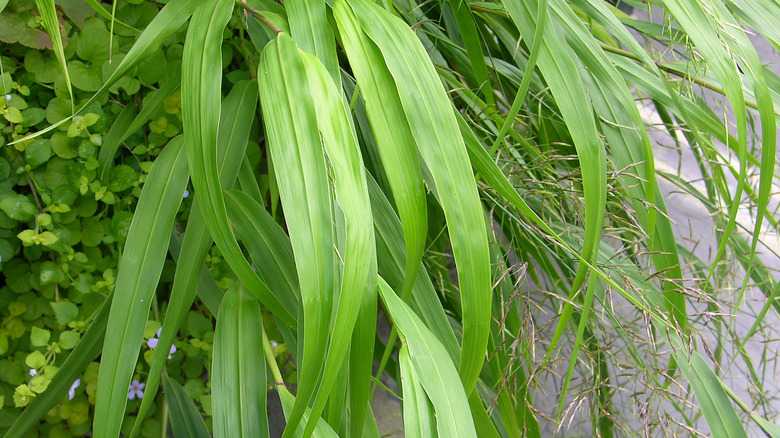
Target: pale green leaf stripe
142	262
433	367
349	181
296	151
52	25
714	402
435	130
82	355
234	135
310	28
200	95
322	430
123	128
419	419
169	20
238	382
393	137
185	418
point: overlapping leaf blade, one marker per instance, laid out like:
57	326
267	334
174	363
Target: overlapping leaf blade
392	135
434	128
185	418
419	419
200	94
351	191
142	262
238	381
296	151
433	367
233	133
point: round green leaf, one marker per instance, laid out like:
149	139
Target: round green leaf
35	359
38	152
39	337
69	339
83	77
122	177
65	311
18	207
51	273
63	145
58	109
45	68
93	231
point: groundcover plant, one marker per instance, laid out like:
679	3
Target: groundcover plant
244	191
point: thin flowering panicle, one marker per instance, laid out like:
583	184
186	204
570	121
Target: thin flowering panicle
136	390
152	343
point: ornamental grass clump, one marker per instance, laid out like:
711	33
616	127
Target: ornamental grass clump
488	179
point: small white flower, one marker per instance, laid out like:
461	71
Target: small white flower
7	97
186	193
72	390
33	372
136	390
274	344
152	342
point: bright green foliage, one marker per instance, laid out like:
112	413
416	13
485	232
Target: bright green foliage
488	178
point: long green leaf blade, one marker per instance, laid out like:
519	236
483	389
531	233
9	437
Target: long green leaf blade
433	367
185	418
435	130
393	138
234	132
238	381
51	23
142	263
351	189
296	150
200	94
715	404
